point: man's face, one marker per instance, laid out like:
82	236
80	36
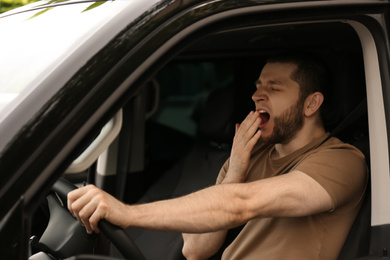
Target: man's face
277	100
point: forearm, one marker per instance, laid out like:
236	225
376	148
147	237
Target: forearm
224	206
203	216
212	209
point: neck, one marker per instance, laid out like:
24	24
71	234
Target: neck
301	139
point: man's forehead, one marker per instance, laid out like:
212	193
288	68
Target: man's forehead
277	70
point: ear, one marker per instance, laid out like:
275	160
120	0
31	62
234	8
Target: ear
313	103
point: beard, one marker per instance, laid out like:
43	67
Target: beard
286	125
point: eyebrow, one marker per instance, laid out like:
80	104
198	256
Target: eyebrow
271	82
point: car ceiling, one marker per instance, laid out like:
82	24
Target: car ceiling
259	41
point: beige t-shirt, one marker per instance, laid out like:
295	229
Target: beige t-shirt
338	167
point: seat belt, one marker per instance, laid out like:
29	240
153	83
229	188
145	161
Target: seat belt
352	117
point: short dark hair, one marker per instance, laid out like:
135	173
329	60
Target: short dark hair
311	73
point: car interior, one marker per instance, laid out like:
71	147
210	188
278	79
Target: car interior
177	130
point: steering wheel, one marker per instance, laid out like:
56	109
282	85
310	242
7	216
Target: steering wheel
64	235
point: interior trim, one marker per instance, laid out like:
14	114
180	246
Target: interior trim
379	153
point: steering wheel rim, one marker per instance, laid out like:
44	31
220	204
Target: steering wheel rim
115	234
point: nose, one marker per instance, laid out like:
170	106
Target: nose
259	95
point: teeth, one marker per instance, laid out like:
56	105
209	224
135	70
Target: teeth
262	111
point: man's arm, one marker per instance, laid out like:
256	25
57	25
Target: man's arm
212	209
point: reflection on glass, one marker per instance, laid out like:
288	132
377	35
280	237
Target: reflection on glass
33	43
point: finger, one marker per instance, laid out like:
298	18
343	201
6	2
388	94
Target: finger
95	218
254	127
252	142
75	195
85	215
79	204
245	147
248	128
72	197
251	119
241	128
237	127
88	227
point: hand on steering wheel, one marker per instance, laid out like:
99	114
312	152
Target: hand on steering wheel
116	235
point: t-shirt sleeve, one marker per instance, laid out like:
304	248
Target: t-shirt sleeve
222	172
342	172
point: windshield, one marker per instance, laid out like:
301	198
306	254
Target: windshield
34	43
43	48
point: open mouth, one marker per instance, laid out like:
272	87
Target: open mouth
264	116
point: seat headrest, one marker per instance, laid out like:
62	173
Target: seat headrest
216	123
223	109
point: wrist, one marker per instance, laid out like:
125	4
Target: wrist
128	216
232	178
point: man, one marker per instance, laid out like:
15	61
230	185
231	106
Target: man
296	189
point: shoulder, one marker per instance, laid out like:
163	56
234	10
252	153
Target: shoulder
336	152
336	157
339	167
336	144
